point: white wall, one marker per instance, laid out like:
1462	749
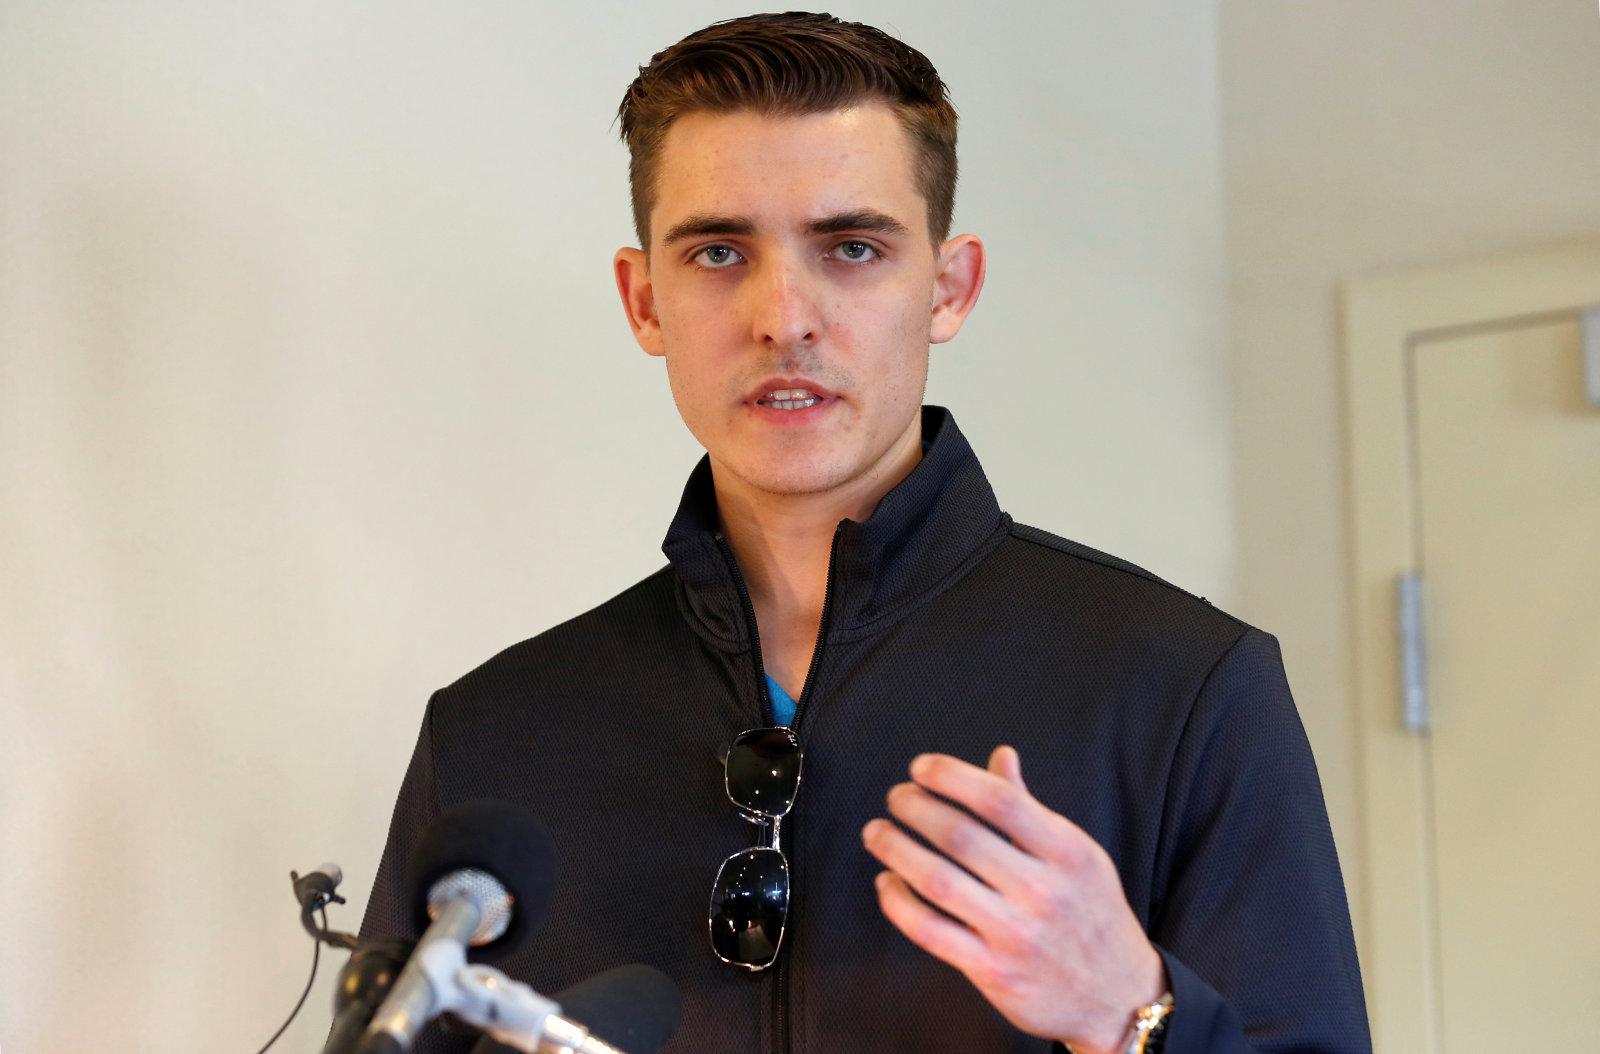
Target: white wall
313	394
1360	136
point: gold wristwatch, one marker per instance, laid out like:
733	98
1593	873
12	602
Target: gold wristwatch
1148	1033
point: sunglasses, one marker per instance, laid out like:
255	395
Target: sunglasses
750	898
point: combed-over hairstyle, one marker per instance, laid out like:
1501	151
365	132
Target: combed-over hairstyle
789	65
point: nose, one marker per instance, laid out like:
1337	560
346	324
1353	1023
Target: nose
784	308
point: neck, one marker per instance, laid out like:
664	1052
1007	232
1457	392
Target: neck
783	542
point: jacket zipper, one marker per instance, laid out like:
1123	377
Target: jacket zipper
780	1000
764	699
780	979
822	632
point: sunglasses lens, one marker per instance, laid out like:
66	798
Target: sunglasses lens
764	770
748	905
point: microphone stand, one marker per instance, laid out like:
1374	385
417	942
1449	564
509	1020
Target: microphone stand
512	1013
365	979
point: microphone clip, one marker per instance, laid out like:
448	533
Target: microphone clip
315	890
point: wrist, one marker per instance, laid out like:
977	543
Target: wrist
1137	1024
1146	1034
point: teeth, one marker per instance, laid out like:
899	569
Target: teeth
789	399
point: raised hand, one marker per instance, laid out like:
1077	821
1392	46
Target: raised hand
1044	930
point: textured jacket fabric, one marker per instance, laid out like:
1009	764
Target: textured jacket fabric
1160	725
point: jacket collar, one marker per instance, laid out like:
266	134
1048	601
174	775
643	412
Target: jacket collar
924	534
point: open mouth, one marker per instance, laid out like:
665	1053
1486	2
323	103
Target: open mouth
789	399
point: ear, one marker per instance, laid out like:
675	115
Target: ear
632	269
956	286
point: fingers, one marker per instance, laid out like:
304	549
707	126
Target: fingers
926	928
1002	799
939	881
963	839
1007	764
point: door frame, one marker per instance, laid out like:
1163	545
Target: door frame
1382	317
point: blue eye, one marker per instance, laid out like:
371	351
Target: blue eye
716	257
856	252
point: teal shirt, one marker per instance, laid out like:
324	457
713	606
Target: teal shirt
782	705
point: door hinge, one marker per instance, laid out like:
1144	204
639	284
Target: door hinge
1413	654
1590	323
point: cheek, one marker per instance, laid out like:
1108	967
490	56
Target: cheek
686	309
677	325
703	386
909	321
686	374
906	337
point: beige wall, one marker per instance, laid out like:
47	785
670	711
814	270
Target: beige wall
1360	136
314	393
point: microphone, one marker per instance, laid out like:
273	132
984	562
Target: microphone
633	1008
316	888
482	875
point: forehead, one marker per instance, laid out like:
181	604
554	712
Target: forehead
781	171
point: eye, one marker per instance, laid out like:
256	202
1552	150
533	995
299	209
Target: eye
716	257
856	252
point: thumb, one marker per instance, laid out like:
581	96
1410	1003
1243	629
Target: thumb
1007	764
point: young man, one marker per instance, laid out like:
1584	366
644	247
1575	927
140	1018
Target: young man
840	570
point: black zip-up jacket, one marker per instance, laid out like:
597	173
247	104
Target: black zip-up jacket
1160	725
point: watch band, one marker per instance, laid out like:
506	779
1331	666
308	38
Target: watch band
1148	1033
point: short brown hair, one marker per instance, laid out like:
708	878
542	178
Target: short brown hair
791	64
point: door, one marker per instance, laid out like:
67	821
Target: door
1474	461
1508	494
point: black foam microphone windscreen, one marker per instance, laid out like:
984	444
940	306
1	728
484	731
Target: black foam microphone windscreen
496	839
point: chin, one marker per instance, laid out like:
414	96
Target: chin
795	479
794	485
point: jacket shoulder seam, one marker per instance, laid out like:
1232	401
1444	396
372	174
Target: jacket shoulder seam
462	682
1045	540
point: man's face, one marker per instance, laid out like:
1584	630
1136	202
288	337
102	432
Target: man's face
794	290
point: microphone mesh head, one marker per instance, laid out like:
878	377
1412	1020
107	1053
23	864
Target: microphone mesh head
500	840
483	889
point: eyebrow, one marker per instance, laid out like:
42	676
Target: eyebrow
859	220
703	224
